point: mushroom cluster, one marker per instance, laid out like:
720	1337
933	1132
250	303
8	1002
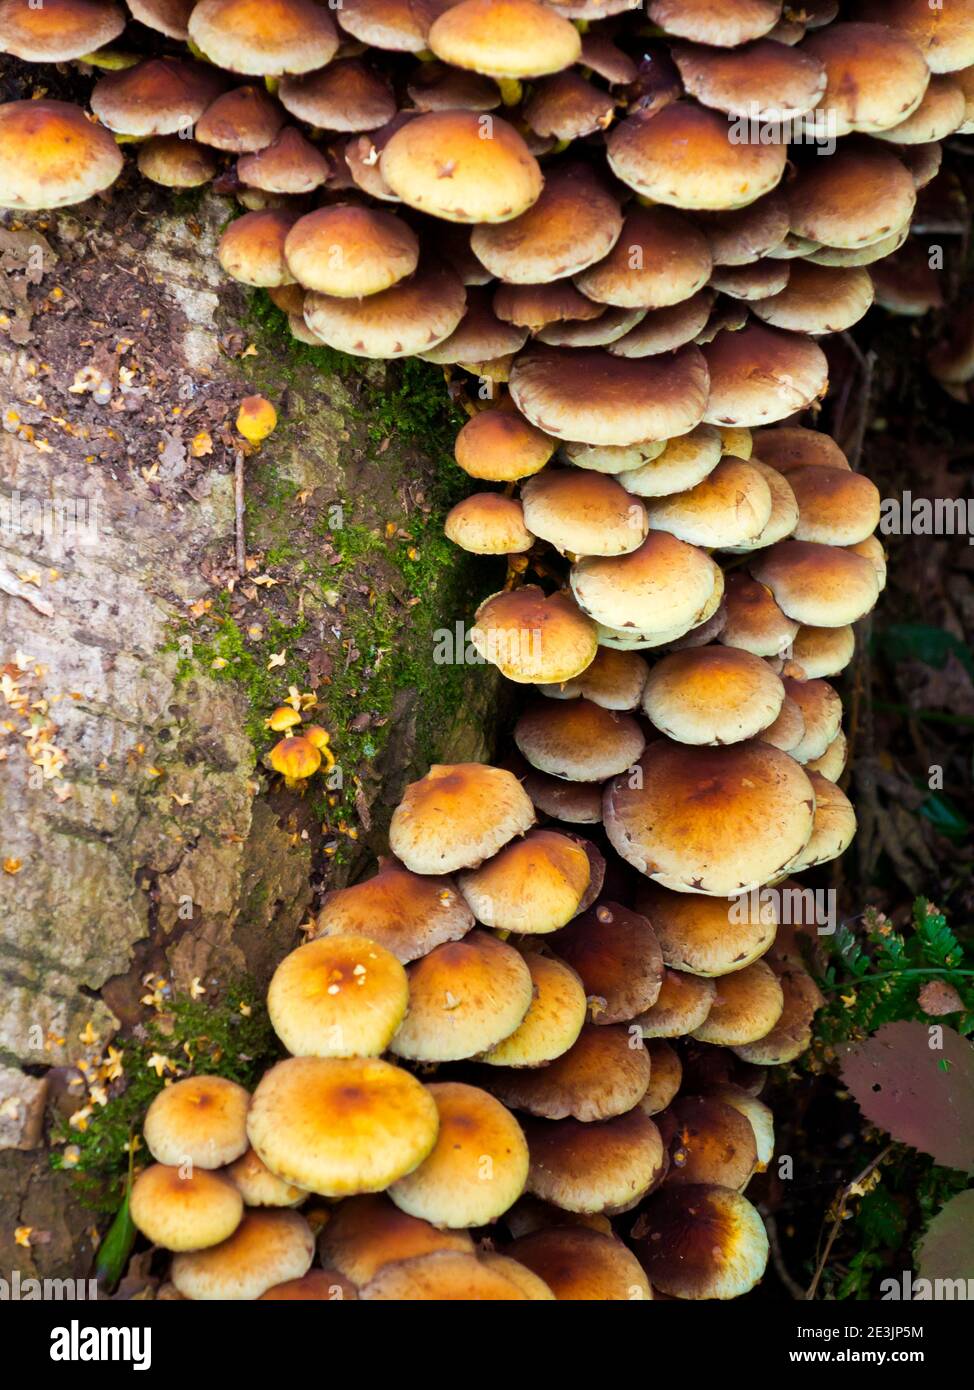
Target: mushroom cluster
504	1083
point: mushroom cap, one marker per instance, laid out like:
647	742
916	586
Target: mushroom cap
435	86
478	1136
258	1186
601	1075
567	107
181	1211
295	758
818	298
706	936
747	1005
160	96
606	1166
405	912
581	1265
613	458
871	549
834	827
684	157
264	38
578	740
289	164
583	512
317	1286
408	318
823	651
604	57
618	957
200	1120
792	1033
723	23
876	76
666	1075
488	523
754	622
793	446
505	38
243	120
500	446
361	154
169	17
832	762
821	585
457	816
758	1115
576	803
663	584
449	1276
685	461
756	281
464	997
402	26
573	224
480	335
682	1004
58	30
730	507
337	1126
534	885
251	249
944	33
858	195
659	259
718	821
761	374
364	1234
553	1021
663	330
537	306
267	1248
700	1241
347	95
588	396
349	251
52	156
444	164
176	163
338	996
530	636
835	505
940	113
784	510
615	680
742	236
708	1141
764	80
712	695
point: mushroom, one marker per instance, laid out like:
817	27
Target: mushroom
760	375
699	1241
265	40
267	1248
791	1035
710	937
567	107
664	330
451	1276
764	81
683	1003
606	1166
876	76
725	24
505	39
412	316
346	96
200	1120
338	996
488	523
746	1006
601	1075
184	1210
349	251
580	1265
659	259
753	620
944	34
614	680
258	1186
161	96
659	586
481	336
530	636
241	121
364	1234
712	695
730	507
618	958
857	196
683	462
52	156
821	585
583	512
457	816
296	759
407	913
500	446
251	249
578	740
665	1076
176	163
818	299
289	164
58	30
707	1141
552	1023
435	86
317	1286
532	886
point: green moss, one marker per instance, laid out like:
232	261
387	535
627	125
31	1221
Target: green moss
225	1034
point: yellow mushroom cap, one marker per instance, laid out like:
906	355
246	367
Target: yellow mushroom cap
264	38
553	1021
57	31
505	38
457	816
706	936
251	249
792	1034
258	1186
533	885
665	1076
350	251
818	585
488	523
406	913
604	1073
500	446
337	1126
723	23
746	1006
185	1211
201	1120
295	758
267	1248
712	695
364	1234
338	996
446	1276
51	155
478	1166
256	418
531	636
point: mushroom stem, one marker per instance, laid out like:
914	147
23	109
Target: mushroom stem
511	90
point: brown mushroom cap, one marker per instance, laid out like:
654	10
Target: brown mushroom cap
618	957
581	1265
664	330
835	505
793	446
410	317
706	936
361	156
350	251
457	816
537	306
871	549
615	680
258	1186
821	585
169	17
940	113
567	107
553	1021
712	695
578	740
488	523
742	236
444	164
858	195
792	1033
530	636
605	58
723	23
480	335
601	1075
663	584
715	821
402	26
534	885
505	38
784	510
200	1120
500	446
574	223
184	1211
683	463
451	1276
760	375
659	259
788	729
834	827
684	157
160	96
338	996
176	163
576	803
613	458
755	281
832	762
747	1005
317	1286
364	1234
607	1166
251	249
407	913
754	622
435	86
346	95
477	1168
699	1241
730	507
464	997
666	1075
823	651
876	76
590	397
764	80
264	38
52	156
708	1141
58	30
684	1002
583	512
943	33
289	164
341	1125
243	120
818	299
267	1248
